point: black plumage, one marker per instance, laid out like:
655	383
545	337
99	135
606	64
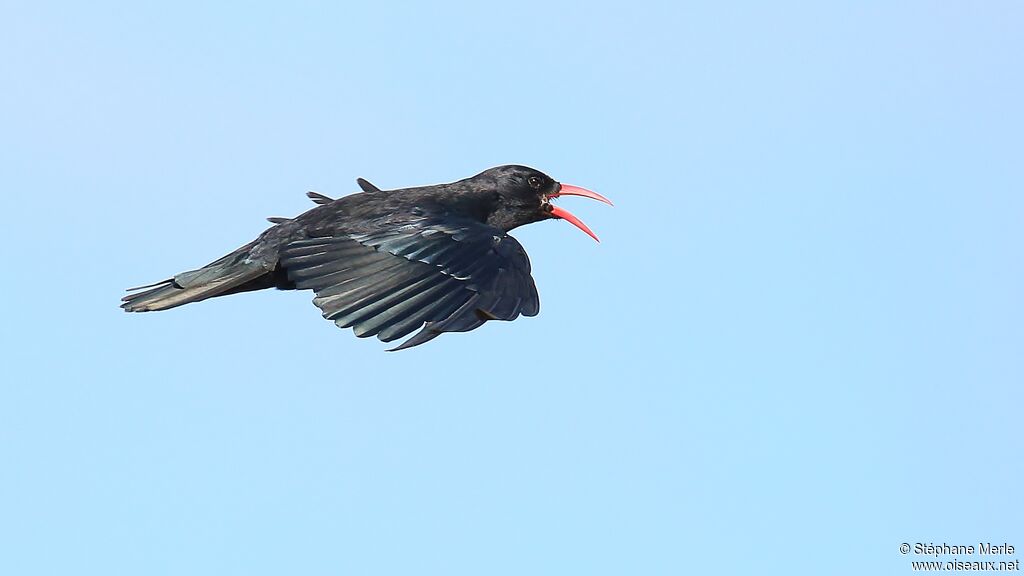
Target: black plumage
389	262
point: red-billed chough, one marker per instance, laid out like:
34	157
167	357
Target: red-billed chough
389	262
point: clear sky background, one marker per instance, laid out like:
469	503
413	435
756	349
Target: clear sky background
798	345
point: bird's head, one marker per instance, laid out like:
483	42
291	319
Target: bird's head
523	195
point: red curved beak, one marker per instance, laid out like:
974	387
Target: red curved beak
570	190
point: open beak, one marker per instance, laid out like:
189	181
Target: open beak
570	190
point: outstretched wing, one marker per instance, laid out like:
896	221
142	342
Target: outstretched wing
441	275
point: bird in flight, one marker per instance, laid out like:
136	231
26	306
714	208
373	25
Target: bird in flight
389	262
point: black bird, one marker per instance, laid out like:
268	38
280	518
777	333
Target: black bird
388	262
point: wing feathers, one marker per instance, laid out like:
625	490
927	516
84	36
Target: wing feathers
428	306
357	304
347	279
369	319
324	270
440	275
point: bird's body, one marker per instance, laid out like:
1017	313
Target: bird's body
389	262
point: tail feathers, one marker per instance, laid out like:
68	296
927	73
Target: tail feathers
214	279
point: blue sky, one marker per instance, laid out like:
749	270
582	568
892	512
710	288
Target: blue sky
798	345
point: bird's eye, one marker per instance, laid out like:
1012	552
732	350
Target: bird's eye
534	182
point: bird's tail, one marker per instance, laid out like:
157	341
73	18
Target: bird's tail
232	273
